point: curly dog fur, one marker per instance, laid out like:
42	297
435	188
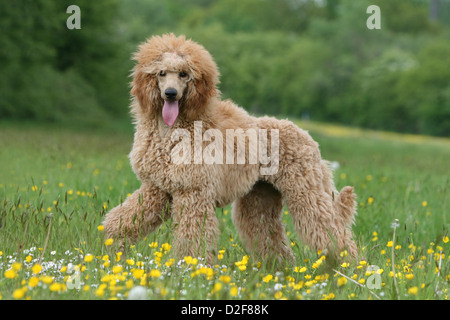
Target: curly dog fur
190	193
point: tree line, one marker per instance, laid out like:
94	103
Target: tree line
313	59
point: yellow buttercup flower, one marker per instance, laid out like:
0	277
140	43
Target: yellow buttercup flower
413	290
267	278
36	268
155	273
117	269
19	293
225	279
166	246
138	273
33	282
10	274
341	281
153	245
234	291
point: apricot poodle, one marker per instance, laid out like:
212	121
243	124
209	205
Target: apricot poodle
175	99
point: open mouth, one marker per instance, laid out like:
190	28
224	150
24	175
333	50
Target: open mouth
170	112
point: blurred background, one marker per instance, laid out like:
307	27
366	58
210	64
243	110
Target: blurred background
302	59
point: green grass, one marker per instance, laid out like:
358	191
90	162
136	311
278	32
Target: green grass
56	185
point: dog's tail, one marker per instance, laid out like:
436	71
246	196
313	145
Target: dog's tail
345	203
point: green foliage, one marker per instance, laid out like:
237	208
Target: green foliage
51	73
305	58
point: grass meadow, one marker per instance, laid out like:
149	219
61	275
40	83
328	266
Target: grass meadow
57	184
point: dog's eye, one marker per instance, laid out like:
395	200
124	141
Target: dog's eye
162	73
183	74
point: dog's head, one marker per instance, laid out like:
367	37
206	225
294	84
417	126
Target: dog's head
175	77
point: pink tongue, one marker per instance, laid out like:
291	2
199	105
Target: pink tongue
170	112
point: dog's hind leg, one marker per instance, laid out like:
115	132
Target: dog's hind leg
257	217
319	212
141	213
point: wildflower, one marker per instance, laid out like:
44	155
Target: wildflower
88	258
166	246
36	268
33	282
100	228
278	295
413	290
19	293
169	262
341	281
138	273
267	278
225	279
343	253
190	261
370	201
409	276
153	245
130	262
109	242
234	291
398	247
301	270
424	203
55	287
46	279
369	177
345	265
390	244
318	262
100	290
217	287
242	265
375	236
10	274
118	256
445	239
117	269
155	273
17	266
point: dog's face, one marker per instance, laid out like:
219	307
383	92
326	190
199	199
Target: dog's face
173	81
174	77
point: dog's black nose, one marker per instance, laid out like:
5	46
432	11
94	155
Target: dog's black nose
171	93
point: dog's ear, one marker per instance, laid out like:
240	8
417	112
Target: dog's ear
145	89
199	91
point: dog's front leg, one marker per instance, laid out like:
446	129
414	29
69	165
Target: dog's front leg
141	213
195	225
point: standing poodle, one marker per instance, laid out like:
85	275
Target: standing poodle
175	98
